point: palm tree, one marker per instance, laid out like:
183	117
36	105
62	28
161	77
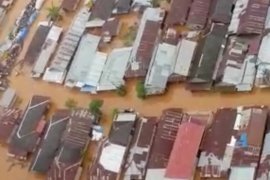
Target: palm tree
54	13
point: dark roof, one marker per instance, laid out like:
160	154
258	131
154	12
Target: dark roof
120	135
122	6
70	5
9	119
207	54
165	136
35	46
102	9
253	19
44	156
75	139
145	49
135	166
111	27
28	133
178	12
215	141
183	157
198	14
222	11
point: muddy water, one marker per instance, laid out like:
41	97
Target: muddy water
177	96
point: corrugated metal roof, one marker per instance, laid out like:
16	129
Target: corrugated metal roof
222	11
70	5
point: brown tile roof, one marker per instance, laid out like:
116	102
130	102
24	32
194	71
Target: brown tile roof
253	19
70	5
35	46
178	12
27	135
135	166
198	14
165	136
183	157
145	49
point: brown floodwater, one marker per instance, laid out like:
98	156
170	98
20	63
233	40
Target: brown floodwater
176	96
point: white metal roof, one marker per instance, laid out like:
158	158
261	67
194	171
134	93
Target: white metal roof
185	55
114	70
125	117
246	173
264	53
8	98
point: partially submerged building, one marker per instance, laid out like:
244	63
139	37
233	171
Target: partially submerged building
102	9
70	5
51	141
198	14
110	29
113	150
140	149
145	42
178	12
56	72
87	65
183	158
35	46
47	49
222	11
160	69
163	143
9	121
114	70
67	163
122	6
8	98
249	17
203	67
27	136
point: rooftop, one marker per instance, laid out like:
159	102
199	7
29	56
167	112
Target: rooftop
222	11
102	9
122	6
70	5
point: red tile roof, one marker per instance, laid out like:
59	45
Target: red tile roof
183	156
178	12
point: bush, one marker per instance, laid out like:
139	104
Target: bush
121	90
94	107
141	92
130	36
70	103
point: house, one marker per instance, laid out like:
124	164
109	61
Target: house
248	145
141	4
113	150
203	67
47	49
178	12
222	11
183	158
140	148
185	54
84	60
114	70
163	143
122	6
50	143
9	121
110	29
215	148
262	77
145	42
160	69
58	68
264	165
26	138
239	147
237	69
36	43
249	17
70	5
102	9
8	98
67	163
198	14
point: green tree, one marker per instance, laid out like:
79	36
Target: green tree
141	91
114	112
121	90
70	103
54	13
89	4
130	36
94	107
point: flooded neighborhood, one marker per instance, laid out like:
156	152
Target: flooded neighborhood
111	88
